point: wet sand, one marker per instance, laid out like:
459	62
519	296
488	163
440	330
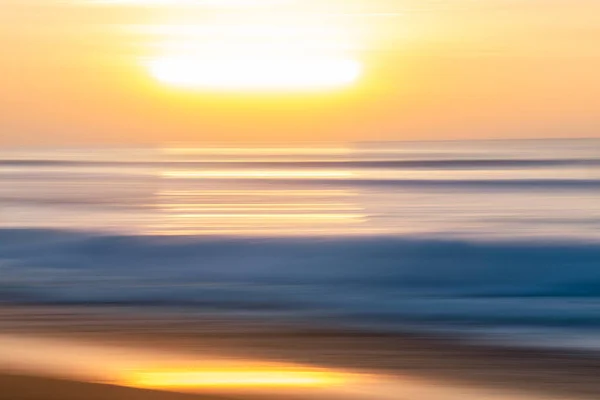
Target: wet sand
535	374
15	387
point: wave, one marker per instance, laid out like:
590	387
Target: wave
458	183
441	280
352	182
345	164
347	181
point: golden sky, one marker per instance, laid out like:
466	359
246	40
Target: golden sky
150	71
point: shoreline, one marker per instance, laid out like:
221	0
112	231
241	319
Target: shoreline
568	375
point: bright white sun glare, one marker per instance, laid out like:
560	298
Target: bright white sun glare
249	45
255	73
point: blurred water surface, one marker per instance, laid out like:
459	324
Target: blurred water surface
490	188
493	239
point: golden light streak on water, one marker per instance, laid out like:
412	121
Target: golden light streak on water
237	231
202	200
281	174
280	217
283	206
258	192
171	208
235	378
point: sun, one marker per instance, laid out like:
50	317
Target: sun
238	46
256	74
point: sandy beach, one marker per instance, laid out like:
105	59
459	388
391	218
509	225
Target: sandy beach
16	387
105	339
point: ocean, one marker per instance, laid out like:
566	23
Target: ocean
483	240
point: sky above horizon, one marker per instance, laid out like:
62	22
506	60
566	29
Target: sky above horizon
151	71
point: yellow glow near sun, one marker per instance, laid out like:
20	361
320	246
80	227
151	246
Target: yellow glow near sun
214	3
234	378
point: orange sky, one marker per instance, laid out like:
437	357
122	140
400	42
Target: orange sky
75	71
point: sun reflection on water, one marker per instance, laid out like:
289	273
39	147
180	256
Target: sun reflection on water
216	198
282	174
244	378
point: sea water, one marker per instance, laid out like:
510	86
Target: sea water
495	240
